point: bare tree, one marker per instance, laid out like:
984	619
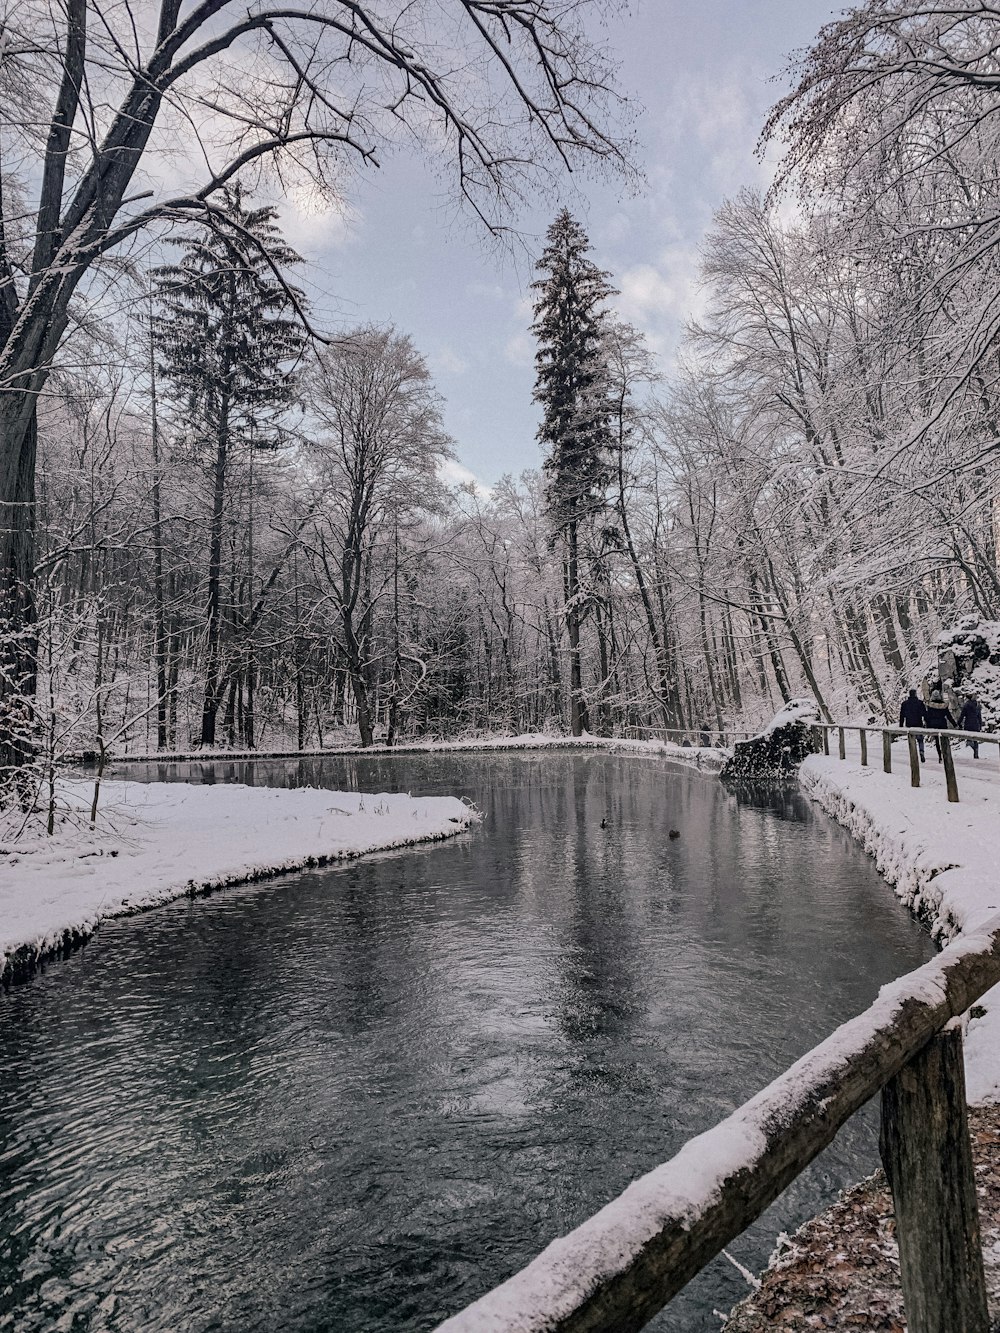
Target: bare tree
379	445
97	101
894	125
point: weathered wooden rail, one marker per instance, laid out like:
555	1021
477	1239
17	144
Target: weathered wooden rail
694	735
623	1265
943	736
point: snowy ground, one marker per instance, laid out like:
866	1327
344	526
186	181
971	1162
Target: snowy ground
940	858
158	841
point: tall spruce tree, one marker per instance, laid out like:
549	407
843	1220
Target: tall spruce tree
228	340
571	384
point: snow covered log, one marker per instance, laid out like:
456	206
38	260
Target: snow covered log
780	748
621	1266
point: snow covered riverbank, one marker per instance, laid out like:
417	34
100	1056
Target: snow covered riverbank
841	1269
706	757
157	841
941	859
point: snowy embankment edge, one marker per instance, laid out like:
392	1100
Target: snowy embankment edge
706	758
22	951
69	920
939	859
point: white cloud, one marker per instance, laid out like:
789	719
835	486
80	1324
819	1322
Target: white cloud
713	113
519	350
454	473
616	230
646	292
487	291
311	225
446	361
659	298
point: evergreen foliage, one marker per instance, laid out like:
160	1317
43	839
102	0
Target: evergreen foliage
572	379
227	332
573	387
229	340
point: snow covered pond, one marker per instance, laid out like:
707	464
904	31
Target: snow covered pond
355	1098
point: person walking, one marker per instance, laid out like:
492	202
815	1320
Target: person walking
937	715
913	714
971	719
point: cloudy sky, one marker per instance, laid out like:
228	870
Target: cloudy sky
705	71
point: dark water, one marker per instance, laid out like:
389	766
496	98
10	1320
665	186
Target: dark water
354	1099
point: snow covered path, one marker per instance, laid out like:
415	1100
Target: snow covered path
942	859
157	841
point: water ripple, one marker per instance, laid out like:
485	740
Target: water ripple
355	1098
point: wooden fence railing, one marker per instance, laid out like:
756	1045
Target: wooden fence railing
705	736
619	1268
942	738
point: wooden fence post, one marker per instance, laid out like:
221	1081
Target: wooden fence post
927	1156
841	743
886	752
911	741
949	768
826	740
864	747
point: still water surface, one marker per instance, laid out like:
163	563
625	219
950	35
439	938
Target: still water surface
353	1099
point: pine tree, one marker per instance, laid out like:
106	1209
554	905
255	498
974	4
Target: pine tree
571	385
228	339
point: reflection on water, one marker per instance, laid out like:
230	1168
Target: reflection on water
355	1098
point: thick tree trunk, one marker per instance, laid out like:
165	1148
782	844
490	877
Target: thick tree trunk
249	722
604	711
660	645
18	619
579	717
213	659
709	655
159	614
554	672
174	660
359	688
29	339
300	704
229	723
732	663
891	646
356	674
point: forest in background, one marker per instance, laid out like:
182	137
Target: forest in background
243	537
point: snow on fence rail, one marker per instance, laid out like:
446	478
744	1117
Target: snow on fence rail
944	738
619	1268
693	734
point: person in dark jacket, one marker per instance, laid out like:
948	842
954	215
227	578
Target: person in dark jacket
937	715
913	714
971	719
